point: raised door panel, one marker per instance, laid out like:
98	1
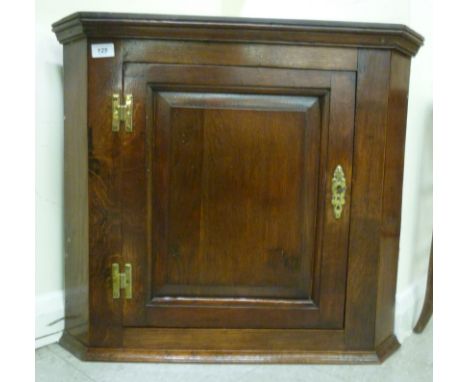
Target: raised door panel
227	210
233	216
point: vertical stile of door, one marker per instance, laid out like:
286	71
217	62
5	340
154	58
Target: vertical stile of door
340	152
134	198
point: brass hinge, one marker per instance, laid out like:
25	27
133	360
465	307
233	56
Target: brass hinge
122	113
121	281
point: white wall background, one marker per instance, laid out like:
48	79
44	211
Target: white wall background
417	191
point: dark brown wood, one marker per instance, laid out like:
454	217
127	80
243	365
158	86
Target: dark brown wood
104	188
426	312
220	198
366	205
76	191
217	209
202	28
213	53
142	354
247	235
392	195
232	339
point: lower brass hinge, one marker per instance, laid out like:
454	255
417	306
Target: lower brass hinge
122	113
121	281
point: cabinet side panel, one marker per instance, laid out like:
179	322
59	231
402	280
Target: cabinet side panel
76	190
366	199
391	204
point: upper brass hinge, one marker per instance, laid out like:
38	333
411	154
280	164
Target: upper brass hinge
121	281
122	113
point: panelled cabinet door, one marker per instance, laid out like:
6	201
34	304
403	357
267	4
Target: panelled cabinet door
227	184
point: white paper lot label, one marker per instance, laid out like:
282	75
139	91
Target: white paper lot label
102	50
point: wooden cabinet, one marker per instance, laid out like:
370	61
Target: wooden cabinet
232	187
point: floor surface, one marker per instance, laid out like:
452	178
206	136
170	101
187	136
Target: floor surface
412	362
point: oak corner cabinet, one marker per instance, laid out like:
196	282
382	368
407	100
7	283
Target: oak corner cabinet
232	187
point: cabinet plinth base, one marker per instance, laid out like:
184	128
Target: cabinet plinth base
101	354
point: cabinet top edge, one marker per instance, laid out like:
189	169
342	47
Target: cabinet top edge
236	29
